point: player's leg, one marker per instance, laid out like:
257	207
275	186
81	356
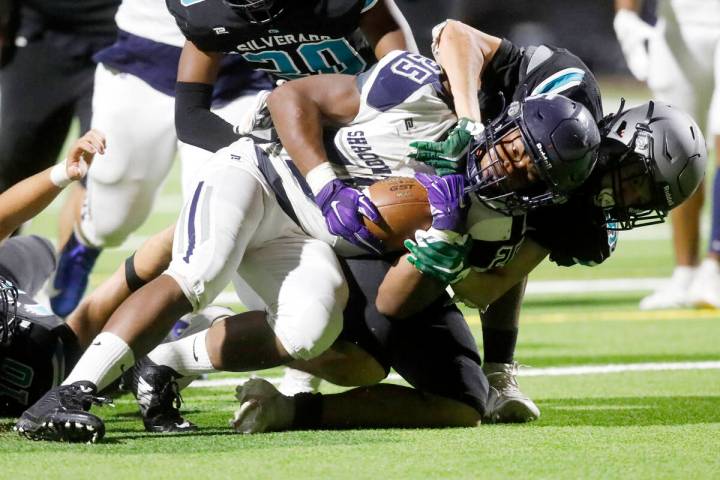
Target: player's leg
705	291
149	261
122	184
681	75
433	351
500	324
206	253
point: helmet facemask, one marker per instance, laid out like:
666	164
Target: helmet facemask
257	11
559	136
491	183
638	195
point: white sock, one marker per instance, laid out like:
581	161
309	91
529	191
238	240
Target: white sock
107	357
187	356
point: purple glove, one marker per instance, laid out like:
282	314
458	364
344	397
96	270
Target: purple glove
447	200
343	208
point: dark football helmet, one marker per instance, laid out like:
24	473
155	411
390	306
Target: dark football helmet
8	310
652	158
561	137
257	11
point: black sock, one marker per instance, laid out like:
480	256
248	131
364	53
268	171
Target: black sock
499	345
308	411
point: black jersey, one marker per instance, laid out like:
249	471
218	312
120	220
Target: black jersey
41	353
573	232
308	37
91	17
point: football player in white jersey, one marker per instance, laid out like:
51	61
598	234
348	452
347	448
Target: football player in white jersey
239	219
133	103
679	57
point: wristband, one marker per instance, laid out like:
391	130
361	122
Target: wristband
59	176
320	176
472	127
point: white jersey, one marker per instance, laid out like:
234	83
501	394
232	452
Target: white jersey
149	19
698	13
402	100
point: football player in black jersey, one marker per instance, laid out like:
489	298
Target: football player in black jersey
493	65
36	348
287	39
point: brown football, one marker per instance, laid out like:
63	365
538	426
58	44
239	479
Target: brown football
403	205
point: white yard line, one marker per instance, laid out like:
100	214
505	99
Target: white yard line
523	372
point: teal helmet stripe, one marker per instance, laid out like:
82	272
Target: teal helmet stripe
560	81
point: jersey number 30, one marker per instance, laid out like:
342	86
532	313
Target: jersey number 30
334	55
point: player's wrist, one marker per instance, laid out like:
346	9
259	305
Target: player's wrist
473	127
627	22
59	176
319	176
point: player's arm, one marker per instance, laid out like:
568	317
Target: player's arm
633	34
463	52
301	108
194	122
386	29
406	291
483	288
29	197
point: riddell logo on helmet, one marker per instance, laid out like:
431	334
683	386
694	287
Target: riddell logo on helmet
544	156
668	196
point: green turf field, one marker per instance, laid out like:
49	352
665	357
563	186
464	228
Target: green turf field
630	424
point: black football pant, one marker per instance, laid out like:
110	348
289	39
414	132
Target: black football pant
434	351
45	85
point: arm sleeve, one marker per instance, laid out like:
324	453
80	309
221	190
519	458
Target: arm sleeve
195	123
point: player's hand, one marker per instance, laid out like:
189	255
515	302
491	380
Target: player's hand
634	34
448	157
82	152
440	254
344	208
448	201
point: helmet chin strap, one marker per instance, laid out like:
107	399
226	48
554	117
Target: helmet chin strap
605	198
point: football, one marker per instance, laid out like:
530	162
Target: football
403	205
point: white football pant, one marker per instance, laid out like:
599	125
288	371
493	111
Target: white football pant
139	125
232	223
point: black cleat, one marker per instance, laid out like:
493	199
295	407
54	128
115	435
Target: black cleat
61	415
158	396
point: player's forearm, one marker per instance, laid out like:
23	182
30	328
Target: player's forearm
195	123
405	291
463	52
24	200
483	288
633	5
386	29
298	123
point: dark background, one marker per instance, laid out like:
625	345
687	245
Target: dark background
582	26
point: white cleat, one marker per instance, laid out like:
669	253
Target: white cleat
296	381
704	291
506	403
262	408
674	294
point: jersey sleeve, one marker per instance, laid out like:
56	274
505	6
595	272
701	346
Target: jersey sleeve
396	77
574	233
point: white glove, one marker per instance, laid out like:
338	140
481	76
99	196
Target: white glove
257	117
633	34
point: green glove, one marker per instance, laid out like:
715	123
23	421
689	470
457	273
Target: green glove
442	254
448	157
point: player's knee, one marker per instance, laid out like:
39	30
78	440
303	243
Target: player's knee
312	331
